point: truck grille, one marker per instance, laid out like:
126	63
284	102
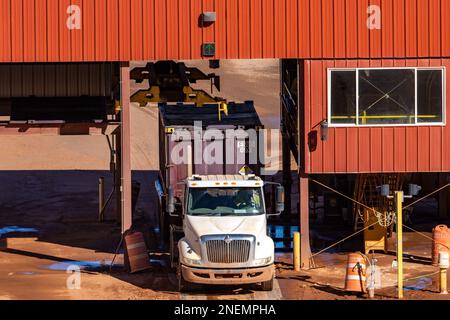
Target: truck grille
236	251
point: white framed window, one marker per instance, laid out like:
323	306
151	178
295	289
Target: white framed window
386	96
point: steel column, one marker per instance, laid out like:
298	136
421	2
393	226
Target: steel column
305	249
126	202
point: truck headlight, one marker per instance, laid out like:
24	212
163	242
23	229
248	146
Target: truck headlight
264	261
193	261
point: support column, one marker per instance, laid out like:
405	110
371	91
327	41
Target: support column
126	202
287	177
304	221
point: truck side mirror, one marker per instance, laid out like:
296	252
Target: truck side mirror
170	205
279	200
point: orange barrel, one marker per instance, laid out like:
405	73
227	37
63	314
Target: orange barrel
136	252
355	278
441	242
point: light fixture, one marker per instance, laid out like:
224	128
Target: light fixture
324	130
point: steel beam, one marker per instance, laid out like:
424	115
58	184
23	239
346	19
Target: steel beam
125	136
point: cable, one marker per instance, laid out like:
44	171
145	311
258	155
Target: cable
115	254
345	196
425	236
353	234
346	238
430	194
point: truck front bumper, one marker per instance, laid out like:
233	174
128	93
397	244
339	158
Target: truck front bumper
228	276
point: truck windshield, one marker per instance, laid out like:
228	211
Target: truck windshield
225	202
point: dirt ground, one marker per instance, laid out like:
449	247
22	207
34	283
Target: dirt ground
48	208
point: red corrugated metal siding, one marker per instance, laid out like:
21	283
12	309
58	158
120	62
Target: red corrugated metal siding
112	30
371	149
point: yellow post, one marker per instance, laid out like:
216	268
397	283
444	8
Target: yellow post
443	281
297	251
399	205
443	266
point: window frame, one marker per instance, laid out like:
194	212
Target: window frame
416	124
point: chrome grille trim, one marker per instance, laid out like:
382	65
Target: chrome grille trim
236	249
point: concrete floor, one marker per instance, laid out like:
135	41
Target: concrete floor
48	185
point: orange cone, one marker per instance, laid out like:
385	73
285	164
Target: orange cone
355	278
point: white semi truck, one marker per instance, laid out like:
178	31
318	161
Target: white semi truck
215	221
225	232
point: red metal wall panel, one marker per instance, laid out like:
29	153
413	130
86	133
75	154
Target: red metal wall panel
256	28
208	30
76	35
112	30
399	30
244	29
5	30
137	25
172	28
376	148
100	27
339	35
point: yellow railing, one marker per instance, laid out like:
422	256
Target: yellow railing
363	118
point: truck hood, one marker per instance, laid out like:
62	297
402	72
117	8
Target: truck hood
201	226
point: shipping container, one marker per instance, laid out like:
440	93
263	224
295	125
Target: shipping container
204	141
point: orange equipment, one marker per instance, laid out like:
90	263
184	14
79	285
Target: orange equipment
441	242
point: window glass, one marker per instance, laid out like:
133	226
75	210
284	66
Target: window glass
386	96
429	96
225	202
343	97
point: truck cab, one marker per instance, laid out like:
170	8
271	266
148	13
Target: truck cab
224	227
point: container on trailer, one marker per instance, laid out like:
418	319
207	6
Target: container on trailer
211	140
199	141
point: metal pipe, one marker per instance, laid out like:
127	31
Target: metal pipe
399	204
101	198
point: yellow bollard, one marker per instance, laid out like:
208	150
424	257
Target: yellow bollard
443	266
297	251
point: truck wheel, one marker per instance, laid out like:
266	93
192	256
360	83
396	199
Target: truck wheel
267	285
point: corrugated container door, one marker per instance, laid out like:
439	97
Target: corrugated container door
213	154
178	160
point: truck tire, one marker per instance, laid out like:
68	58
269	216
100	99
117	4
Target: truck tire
267	285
